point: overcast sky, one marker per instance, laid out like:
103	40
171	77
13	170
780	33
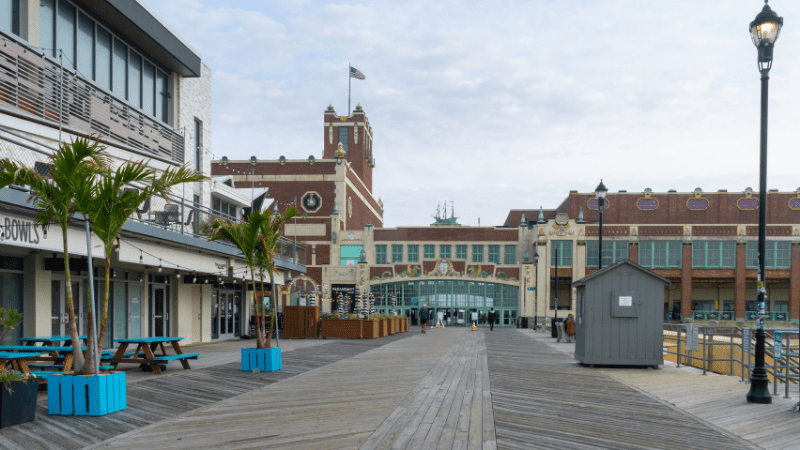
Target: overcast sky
499	105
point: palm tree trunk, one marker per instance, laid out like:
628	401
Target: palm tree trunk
272	306
259	342
104	309
78	361
261	323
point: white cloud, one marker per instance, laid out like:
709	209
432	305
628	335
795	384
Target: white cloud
501	105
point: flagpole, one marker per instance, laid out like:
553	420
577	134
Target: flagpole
349	83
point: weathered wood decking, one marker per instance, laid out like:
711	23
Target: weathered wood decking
154	398
450	388
543	398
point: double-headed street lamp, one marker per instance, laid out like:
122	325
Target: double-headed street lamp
764	30
600	192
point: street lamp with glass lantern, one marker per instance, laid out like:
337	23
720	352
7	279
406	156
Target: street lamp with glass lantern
764	31
536	292
600	193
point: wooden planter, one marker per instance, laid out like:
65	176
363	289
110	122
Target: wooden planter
19	405
263	359
404	321
370	329
86	395
384	327
338	328
392	326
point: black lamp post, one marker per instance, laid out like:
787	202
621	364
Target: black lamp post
536	295
764	30
600	192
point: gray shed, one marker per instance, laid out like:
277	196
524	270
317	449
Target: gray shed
619	316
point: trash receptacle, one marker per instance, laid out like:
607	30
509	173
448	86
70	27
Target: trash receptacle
553	330
524	322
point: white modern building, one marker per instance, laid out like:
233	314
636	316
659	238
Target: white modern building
112	71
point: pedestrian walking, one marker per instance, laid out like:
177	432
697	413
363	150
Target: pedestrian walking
491	319
423	318
570	329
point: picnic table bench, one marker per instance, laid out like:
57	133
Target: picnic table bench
144	356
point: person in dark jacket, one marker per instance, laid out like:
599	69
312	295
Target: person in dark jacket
423	317
492	318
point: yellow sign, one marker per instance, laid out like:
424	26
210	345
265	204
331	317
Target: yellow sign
759	284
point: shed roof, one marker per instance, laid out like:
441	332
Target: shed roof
582	281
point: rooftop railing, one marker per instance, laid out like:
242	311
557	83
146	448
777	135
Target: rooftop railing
30	84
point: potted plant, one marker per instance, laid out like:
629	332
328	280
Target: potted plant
371	327
384	327
345	326
255	237
18	393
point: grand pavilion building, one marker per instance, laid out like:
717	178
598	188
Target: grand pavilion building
704	242
111	70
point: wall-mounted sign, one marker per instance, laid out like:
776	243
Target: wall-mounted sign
647	204
625	300
593	204
747	204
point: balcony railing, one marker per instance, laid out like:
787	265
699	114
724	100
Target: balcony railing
182	216
780	316
29	83
176	214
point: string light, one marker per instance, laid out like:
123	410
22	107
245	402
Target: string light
159	264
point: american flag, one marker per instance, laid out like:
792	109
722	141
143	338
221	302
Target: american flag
355	73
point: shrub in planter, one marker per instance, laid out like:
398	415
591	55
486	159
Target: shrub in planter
370	329
263	359
86	395
18	395
341	328
384	327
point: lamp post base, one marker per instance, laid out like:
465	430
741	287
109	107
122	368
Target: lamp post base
759	389
759	382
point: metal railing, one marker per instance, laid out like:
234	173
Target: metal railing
31	84
780	316
731	351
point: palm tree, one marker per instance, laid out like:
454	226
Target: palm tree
113	203
59	196
244	235
271	230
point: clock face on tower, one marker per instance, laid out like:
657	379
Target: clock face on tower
444	267
311	202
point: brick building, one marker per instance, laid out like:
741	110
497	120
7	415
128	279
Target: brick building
704	242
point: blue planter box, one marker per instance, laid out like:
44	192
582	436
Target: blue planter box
263	359
91	395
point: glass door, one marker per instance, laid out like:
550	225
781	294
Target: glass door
58	310
121	319
159	305
229	315
215	314
237	313
134	311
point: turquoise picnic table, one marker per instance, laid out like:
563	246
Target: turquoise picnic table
58	348
18	360
145	356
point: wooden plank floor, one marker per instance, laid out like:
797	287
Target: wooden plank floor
543	398
340	405
721	400
179	391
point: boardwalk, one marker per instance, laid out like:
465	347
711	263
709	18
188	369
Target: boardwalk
449	388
